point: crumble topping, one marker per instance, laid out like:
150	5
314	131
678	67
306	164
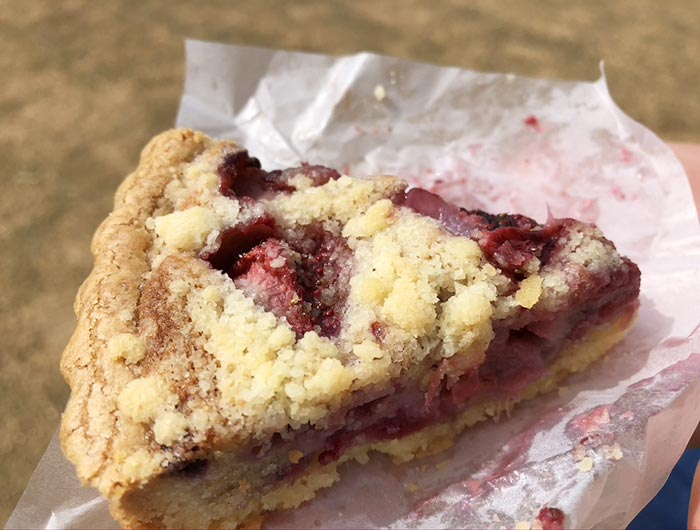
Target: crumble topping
295	456
127	346
277	363
288	324
333	203
425	284
146	398
187	229
613	452
529	292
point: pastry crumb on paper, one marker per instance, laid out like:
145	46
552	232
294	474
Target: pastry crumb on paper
579	452
613	452
379	93
585	465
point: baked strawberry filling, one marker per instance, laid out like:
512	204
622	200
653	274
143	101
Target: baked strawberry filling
297	281
304	279
238	240
300	279
297	278
515	359
242	176
509	241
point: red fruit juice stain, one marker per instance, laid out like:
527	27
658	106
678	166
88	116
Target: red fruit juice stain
625	155
551	518
592	421
618	193
533	123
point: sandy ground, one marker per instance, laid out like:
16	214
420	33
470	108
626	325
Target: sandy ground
86	84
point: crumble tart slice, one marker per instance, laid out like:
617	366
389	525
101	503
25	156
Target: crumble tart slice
244	332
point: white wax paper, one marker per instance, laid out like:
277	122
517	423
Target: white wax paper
502	143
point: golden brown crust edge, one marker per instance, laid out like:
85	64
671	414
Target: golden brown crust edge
106	303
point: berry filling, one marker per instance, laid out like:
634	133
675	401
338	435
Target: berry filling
304	278
239	240
514	359
268	275
242	176
297	280
510	242
323	275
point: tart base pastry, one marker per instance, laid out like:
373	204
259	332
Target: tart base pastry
244	332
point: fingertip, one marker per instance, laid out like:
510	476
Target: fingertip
694	507
689	156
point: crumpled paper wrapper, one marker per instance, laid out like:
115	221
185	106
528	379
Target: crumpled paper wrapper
601	447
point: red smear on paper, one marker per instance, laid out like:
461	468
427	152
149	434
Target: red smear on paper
618	193
533	123
551	518
625	155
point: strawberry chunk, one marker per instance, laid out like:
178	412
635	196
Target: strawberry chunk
268	275
241	176
239	240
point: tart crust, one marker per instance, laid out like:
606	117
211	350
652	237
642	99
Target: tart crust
106	304
174	365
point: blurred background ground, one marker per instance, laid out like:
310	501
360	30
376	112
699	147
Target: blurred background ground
85	85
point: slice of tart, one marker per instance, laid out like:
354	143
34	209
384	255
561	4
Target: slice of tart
244	332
